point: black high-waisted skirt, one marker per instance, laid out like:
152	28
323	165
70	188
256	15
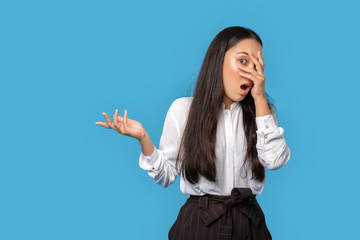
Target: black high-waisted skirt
210	217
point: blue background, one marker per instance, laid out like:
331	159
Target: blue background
63	63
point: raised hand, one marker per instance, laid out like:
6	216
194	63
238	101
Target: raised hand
255	73
123	125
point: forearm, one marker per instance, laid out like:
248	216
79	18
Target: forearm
272	149
261	106
147	147
157	165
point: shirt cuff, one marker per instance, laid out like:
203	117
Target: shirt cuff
265	122
150	163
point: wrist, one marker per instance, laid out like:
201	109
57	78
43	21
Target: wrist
143	137
260	99
261	107
147	147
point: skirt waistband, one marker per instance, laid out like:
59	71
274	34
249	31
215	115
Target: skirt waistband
238	195
242	193
213	207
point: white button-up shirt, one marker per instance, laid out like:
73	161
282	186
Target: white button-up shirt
230	149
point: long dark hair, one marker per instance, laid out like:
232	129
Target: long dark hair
197	147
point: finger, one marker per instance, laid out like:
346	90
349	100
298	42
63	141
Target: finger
253	58
108	121
115	118
257	63
246	69
102	124
128	120
252	65
123	127
125	118
116	122
261	60
250	77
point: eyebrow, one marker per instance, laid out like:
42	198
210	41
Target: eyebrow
243	53
246	54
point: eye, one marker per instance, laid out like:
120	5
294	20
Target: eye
242	59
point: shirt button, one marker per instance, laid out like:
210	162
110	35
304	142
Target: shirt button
267	126
265	136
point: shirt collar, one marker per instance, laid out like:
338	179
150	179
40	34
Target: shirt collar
233	106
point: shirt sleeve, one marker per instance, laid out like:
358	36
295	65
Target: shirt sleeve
273	152
160	165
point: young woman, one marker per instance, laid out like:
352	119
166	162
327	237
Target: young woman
220	141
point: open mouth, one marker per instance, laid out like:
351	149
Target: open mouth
245	88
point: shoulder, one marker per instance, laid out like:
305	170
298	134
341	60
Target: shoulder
180	105
179	111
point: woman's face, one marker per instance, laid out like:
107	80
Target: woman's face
232	80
